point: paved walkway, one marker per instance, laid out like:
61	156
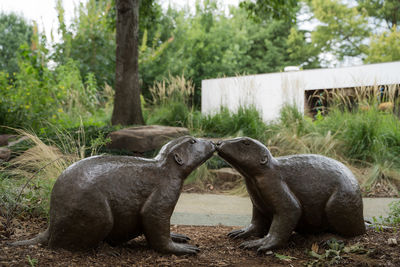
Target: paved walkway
212	209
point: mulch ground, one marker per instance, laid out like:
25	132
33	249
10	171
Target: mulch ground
371	249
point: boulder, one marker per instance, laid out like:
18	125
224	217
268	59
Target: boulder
386	106
19	140
227	175
144	138
5	154
4	139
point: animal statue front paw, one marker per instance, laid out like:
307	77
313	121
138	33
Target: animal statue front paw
179	238
262	244
250	230
181	249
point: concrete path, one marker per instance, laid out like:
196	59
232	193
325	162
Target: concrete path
212	209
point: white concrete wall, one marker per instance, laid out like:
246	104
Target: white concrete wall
270	92
267	93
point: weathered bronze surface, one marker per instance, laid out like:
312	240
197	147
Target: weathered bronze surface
117	198
302	193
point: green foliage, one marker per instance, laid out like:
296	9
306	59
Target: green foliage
387	11
172	114
334	253
300	51
384	47
394	214
284	257
277	9
243	122
343	29
32	261
208	44
392	220
34	199
74	96
27	96
368	136
365	28
89	41
14	32
92	137
36	94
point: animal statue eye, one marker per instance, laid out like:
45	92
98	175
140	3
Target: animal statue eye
264	160
246	142
192	141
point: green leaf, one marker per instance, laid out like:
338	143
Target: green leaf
284	257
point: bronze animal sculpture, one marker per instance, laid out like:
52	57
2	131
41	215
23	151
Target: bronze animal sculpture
117	198
302	193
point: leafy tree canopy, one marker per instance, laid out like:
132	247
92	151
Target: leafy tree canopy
14	32
276	9
209	44
383	11
384	47
342	29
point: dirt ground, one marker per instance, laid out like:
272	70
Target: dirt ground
371	249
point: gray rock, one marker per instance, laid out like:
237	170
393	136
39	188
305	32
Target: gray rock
227	175
4	139
19	140
5	154
144	138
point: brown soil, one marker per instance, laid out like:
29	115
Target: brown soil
371	249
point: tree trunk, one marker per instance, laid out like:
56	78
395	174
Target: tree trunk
127	108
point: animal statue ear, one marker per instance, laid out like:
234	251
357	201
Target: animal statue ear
178	159
264	160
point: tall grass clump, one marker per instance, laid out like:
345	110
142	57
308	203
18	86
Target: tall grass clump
368	131
171	102
26	181
173	89
294	133
246	121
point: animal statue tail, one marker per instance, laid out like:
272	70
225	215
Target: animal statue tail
41	238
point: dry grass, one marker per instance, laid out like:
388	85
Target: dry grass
56	158
362	97
174	89
27	180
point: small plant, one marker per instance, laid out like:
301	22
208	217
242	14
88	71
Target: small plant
334	253
284	257
32	261
392	220
394	214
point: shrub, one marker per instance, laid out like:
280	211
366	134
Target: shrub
171	114
244	122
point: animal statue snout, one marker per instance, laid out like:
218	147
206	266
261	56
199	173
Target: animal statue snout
218	144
